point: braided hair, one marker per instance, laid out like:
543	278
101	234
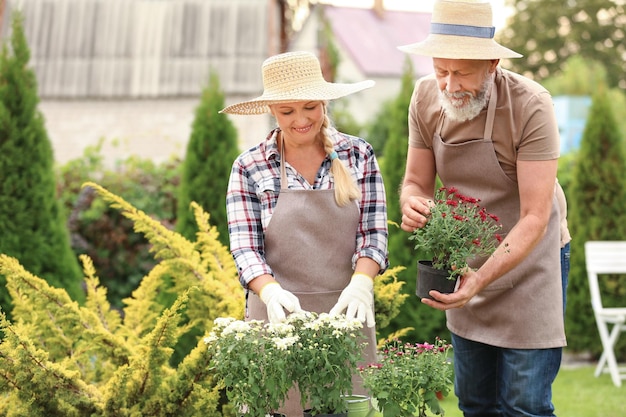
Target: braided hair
346	188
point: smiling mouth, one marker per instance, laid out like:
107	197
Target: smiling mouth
302	129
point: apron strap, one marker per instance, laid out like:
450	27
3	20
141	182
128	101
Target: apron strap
491	112
283	173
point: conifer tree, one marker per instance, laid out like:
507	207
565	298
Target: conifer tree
211	151
596	212
401	251
32	226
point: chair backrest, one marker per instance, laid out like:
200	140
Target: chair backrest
603	257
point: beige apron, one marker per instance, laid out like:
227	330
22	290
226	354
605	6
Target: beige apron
309	244
523	308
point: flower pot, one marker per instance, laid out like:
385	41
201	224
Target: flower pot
358	405
429	278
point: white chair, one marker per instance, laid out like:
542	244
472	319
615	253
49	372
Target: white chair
607	257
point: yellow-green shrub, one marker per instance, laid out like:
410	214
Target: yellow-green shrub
59	358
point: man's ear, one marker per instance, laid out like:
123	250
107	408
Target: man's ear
494	65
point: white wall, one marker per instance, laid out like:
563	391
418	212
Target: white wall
152	129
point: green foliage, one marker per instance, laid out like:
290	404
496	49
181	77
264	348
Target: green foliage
59	358
388	296
458	229
596	212
579	77
392	128
31	221
396	145
409	376
567	164
325	359
329	52
330	59
547	32
211	150
343	119
583	77
258	363
251	361
378	130
121	255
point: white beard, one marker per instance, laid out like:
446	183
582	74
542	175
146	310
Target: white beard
469	109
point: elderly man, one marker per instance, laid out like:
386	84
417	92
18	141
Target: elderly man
492	134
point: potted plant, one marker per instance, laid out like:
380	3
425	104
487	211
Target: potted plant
457	231
409	378
249	359
324	360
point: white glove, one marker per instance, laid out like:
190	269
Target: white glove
277	300
358	299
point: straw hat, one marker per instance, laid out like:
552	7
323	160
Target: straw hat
294	76
461	29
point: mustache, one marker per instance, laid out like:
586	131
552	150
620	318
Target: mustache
457	95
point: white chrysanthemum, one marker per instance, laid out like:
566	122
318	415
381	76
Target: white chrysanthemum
281	328
222	322
237	326
300	316
283	343
326	318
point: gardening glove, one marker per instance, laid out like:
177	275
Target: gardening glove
357	299
277	300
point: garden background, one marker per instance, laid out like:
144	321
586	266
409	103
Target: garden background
48	219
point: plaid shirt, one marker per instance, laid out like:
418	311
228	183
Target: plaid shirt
253	190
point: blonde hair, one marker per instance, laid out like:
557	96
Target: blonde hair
346	188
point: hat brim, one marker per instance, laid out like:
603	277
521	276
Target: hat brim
313	92
459	47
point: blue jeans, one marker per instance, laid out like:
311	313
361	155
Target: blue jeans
491	381
565	254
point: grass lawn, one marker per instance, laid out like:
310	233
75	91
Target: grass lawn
576	393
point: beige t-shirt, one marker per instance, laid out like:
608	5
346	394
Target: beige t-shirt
523	129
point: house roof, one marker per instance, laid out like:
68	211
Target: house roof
373	41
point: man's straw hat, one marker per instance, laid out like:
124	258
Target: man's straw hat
461	29
294	76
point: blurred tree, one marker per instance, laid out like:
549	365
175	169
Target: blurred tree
547	32
596	212
583	77
579	77
425	323
32	224
211	151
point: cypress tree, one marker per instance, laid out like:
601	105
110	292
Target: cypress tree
32	226
211	151
596	212
425	322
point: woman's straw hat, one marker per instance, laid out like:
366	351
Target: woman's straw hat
461	29
294	76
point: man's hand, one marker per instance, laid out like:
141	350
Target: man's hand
415	213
